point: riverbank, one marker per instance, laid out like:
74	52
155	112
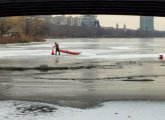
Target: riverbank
20	39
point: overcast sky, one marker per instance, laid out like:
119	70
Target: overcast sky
131	22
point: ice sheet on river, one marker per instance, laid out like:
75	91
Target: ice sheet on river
119	110
89	48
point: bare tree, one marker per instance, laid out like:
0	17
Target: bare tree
5	25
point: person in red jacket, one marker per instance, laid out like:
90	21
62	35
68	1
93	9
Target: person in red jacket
57	48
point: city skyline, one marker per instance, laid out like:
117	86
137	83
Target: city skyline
131	22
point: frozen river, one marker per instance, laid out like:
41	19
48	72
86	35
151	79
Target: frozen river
91	49
108	69
130	110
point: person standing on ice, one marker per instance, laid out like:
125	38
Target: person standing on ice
57	48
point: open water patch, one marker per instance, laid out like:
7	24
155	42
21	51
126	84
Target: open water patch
45	67
138	80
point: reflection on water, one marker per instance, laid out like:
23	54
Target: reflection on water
55	59
146	44
90	74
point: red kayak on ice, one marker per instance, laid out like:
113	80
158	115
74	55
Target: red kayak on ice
69	52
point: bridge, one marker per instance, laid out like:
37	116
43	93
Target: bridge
117	7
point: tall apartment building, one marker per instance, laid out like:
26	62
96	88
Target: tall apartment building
89	21
43	17
77	21
67	20
59	20
147	23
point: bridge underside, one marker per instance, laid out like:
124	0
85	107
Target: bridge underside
118	7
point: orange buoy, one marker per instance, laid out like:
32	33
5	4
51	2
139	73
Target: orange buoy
161	57
52	51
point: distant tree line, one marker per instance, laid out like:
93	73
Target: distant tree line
20	29
92	32
27	29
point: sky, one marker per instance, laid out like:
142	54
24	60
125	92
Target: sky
131	22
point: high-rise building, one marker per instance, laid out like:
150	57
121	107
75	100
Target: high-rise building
89	21
60	20
69	20
77	21
47	18
146	23
86	20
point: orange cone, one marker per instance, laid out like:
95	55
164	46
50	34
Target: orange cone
52	51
